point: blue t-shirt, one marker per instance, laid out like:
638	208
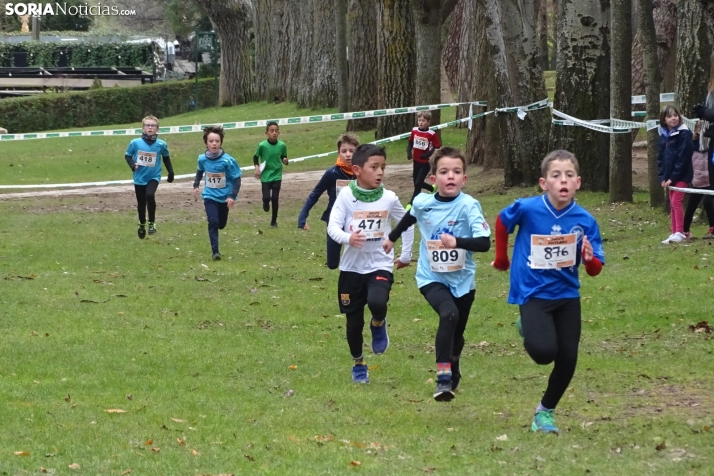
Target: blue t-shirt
462	218
149	159
543	266
219	175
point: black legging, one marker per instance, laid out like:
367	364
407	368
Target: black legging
453	316
273	198
693	204
377	298
419	174
145	199
551	333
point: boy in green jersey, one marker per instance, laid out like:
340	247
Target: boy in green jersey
268	160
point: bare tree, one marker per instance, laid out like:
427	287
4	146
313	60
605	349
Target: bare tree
583	86
343	99
694	49
541	11
664	13
272	22
395	53
428	15
452	45
363	75
620	101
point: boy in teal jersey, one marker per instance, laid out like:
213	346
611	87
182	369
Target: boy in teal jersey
268	160
144	157
222	183
452	228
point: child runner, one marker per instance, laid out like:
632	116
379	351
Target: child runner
452	227
144	157
360	220
674	164
422	143
268	160
334	179
555	235
222	183
703	178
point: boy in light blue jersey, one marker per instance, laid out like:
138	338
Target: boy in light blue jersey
144	157
555	235
452	228
222	183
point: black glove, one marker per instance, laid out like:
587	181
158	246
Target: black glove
698	111
170	177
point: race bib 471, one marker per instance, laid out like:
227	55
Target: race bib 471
371	222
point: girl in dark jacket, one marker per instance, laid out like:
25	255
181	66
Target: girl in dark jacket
674	163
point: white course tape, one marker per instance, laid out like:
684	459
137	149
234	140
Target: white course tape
692	190
242	125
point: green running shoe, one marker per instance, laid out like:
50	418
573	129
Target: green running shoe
543	421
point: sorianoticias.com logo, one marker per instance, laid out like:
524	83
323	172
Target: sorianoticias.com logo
56	8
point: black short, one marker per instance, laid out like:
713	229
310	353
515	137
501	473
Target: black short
352	288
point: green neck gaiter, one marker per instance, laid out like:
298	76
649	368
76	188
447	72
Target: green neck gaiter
367	196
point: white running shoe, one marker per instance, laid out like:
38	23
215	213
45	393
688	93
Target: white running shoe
668	239
678	237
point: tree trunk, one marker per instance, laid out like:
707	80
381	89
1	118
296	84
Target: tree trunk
395	54
232	20
312	72
272	22
427	33
541	11
620	101
694	49
363	75
665	23
343	99
452	46
583	86
653	79
511	34
554	9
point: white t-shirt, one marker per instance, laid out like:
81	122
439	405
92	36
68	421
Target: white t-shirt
374	219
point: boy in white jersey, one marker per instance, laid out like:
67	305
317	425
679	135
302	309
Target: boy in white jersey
555	235
452	227
360	220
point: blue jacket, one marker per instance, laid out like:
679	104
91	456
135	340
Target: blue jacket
328	183
674	161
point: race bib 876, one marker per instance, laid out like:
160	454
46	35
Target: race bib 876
553	251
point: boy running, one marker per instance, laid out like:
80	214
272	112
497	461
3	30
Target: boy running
555	235
360	220
268	160
422	143
144	157
222	183
334	179
452	228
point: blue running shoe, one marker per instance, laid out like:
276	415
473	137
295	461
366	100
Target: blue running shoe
519	327
380	339
543	421
359	373
444	391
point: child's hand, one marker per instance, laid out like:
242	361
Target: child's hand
136	166
399	264
388	246
501	265
587	252
195	194
306	227
257	173
285	160
448	241
357	239
230	202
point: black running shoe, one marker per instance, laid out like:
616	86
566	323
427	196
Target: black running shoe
141	231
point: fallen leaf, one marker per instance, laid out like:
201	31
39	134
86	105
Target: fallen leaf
249	457
155	450
293	367
416	320
128	471
115	410
178	421
322	438
195	453
43	470
661	446
181	442
67	398
21	453
355	463
502	438
292	438
149	442
289	393
373	367
74	466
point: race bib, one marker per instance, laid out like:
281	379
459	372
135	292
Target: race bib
443	260
262	167
553	251
146	159
372	223
215	180
421	143
340	184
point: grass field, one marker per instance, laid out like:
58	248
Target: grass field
122	356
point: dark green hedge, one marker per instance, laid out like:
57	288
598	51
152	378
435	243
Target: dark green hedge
103	106
49	54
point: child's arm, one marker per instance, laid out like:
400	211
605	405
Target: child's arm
256	163
167	160
398	212
593	265
284	155
324	184
407	220
479	244
683	154
410	146
501	262
197	183
338	217
129	157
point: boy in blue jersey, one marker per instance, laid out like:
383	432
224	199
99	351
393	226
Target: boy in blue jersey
333	181
555	235
452	228
222	184
144	157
